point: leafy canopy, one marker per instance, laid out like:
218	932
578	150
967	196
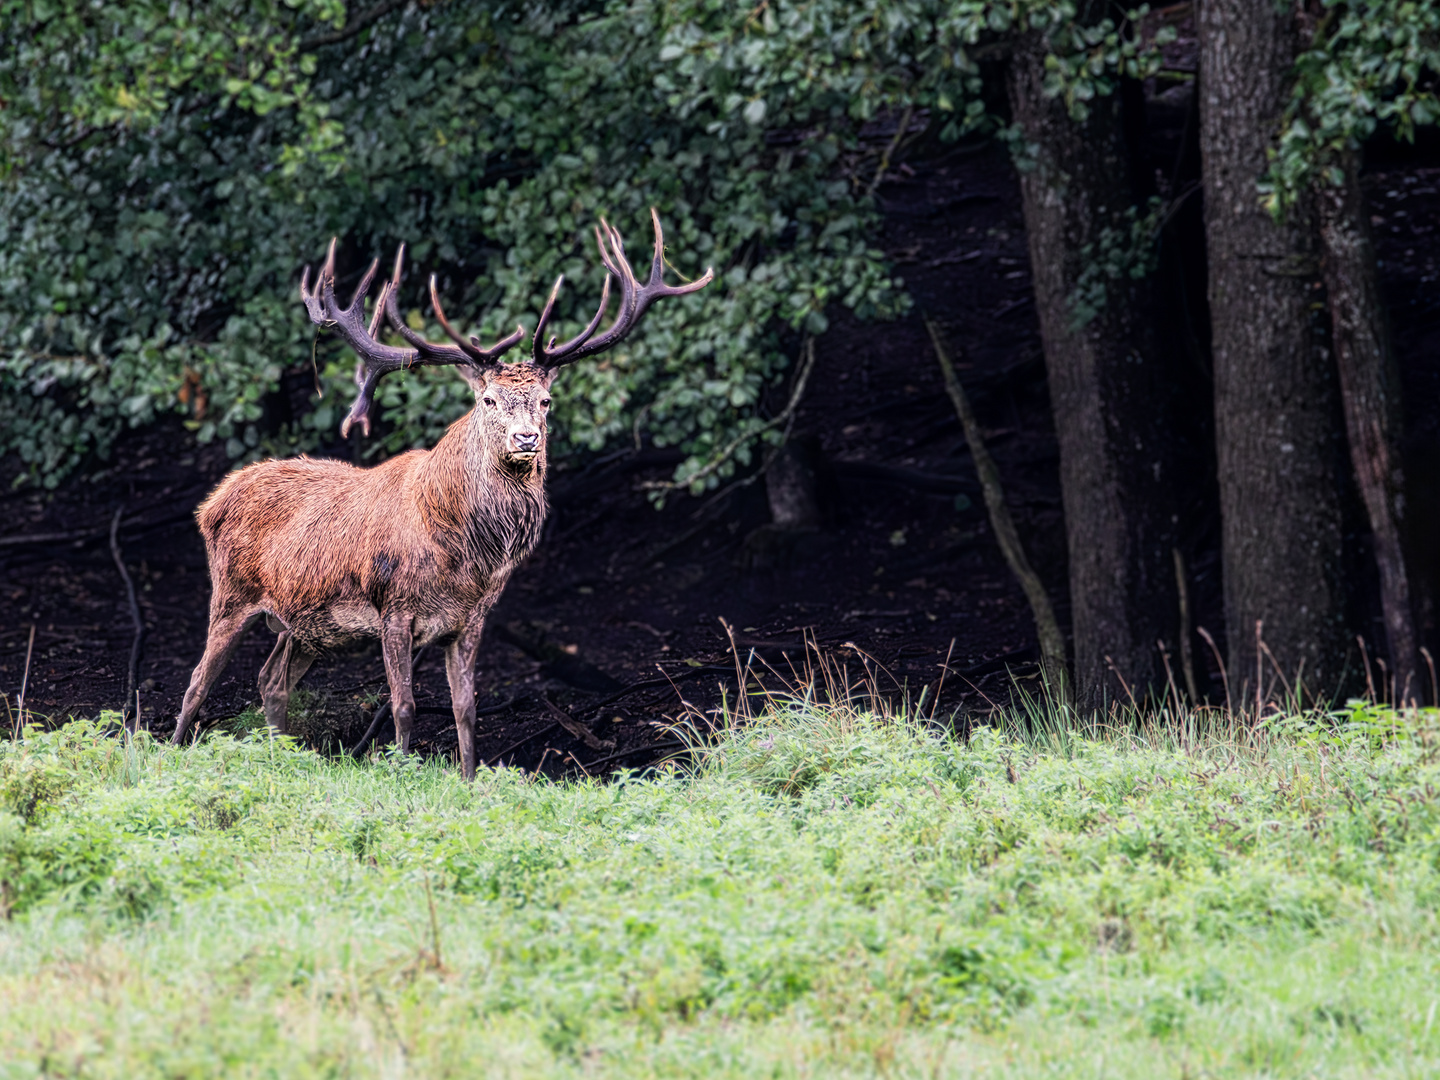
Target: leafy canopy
166	169
162	189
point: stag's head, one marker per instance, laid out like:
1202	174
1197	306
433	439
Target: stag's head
512	400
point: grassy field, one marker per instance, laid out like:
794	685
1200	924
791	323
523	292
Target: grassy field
826	894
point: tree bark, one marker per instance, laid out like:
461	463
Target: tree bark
1370	393
792	484
1106	391
1276	421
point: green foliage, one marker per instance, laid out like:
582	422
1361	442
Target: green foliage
1372	63
124	65
154	259
1127	252
159	192
825	892
1088	59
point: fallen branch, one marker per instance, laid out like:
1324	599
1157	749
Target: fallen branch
647	684
655	684
382	713
79	536
676	745
559	664
900	132
516	745
576	728
1052	641
130	715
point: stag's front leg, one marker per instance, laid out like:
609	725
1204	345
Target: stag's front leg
460	670
395	643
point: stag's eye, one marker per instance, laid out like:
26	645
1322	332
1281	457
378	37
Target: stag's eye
545	404
489	401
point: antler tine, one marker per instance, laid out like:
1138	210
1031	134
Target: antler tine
378	316
433	352
364	286
472	347
388	288
311	298
604	251
656	287
450	331
439	352
548	354
365	378
634	299
538	345
615	256
657	264
504	345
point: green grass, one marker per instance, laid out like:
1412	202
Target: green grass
827	894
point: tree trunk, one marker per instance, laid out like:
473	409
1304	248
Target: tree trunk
792	484
1370	393
1276	421
1106	392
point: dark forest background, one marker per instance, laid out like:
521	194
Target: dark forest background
1181	259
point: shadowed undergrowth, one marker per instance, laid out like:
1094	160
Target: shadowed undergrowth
825	891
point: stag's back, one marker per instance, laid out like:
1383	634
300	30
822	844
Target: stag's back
306	533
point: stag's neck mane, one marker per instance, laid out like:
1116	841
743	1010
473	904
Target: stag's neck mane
479	505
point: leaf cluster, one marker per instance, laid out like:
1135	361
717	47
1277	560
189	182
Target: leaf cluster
1125	251
1372	64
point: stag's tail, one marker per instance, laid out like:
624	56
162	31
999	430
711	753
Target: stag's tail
220	504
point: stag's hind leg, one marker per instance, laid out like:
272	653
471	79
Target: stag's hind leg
460	670
287	664
225	633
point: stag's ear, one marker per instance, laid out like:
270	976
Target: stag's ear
546	375
477	377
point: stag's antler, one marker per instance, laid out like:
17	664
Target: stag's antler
634	299
376	359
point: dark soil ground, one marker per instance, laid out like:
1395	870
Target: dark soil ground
618	615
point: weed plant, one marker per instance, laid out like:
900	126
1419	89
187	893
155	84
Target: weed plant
823	890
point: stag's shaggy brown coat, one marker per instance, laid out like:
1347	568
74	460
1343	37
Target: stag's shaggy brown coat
414	551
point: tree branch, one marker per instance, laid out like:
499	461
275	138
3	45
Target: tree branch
740	440
130	715
1052	641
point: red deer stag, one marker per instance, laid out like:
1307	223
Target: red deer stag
415	550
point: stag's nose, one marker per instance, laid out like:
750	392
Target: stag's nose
526	441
